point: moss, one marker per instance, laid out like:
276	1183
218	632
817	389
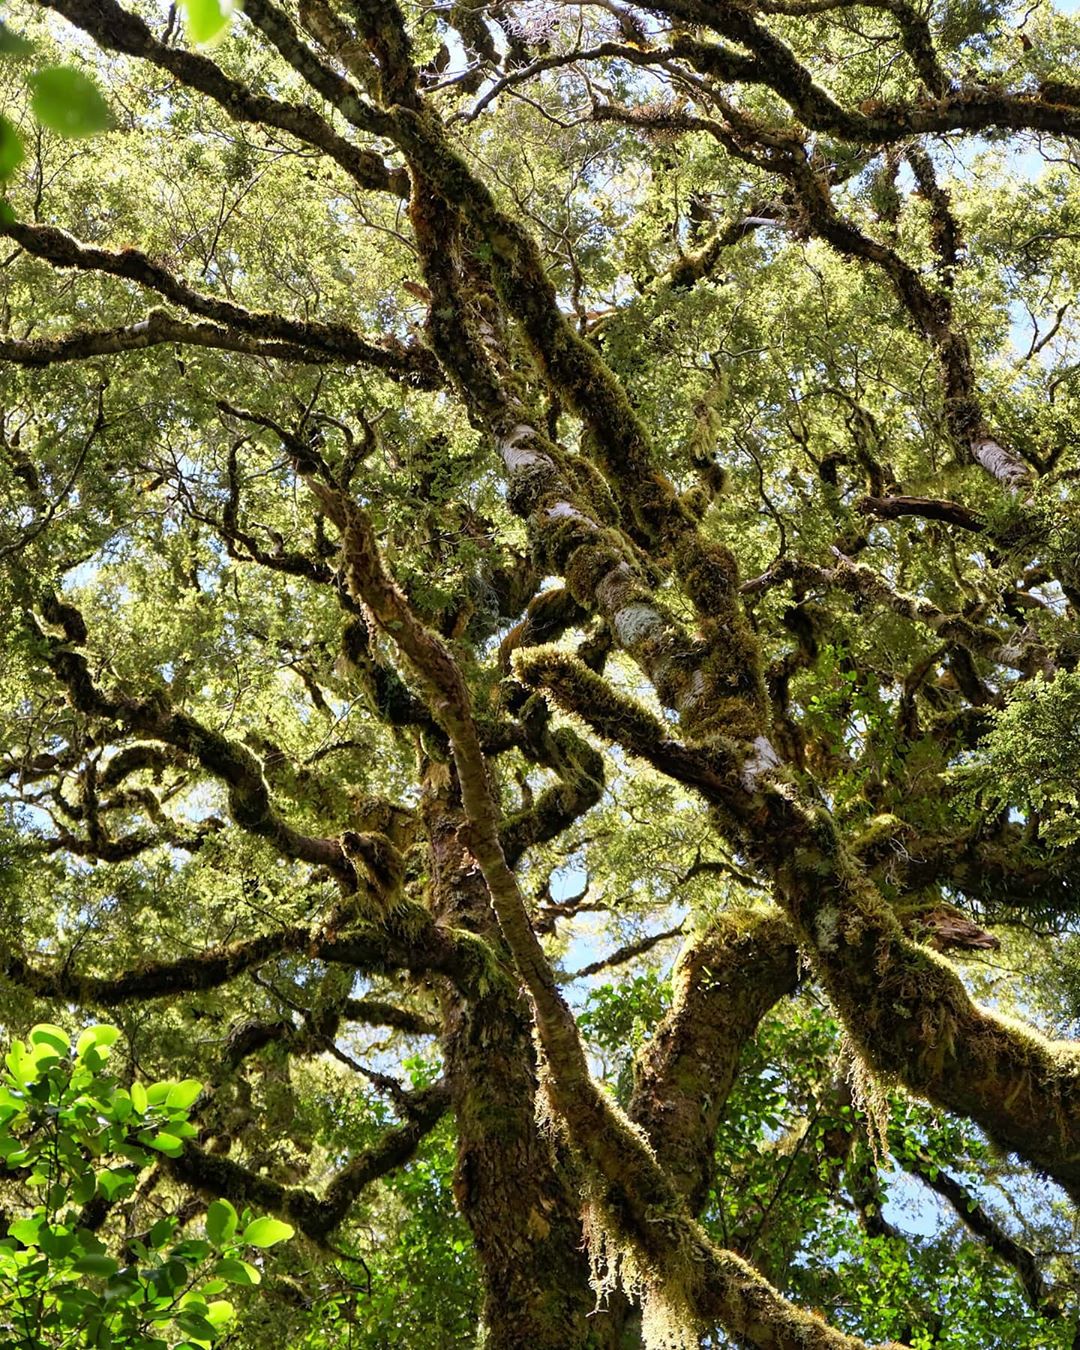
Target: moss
581	770
731	698
581	691
482	971
563	535
375	856
586	565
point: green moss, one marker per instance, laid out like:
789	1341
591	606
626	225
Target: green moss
581	691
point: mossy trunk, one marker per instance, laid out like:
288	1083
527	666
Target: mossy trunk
510	1186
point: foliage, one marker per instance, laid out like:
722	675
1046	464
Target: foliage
1029	760
77	1141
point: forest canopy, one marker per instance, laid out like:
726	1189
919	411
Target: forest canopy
540	601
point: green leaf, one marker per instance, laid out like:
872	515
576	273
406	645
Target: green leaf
137	1155
67	101
166	1143
234	1270
220	1312
221	1221
26	1231
193	1250
207	20
84	1188
9	1147
122	1105
12	153
266	1232
194	1324
114	1183
183	1094
171	1276
139	1098
99	1038
13	44
162	1232
96	1264
56	1242
47	1036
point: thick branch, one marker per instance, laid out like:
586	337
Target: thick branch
725	982
313	340
118	30
640	1200
316	1216
156	328
417	945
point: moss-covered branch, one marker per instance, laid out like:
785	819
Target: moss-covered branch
417	945
229	761
726	979
284	336
316	1216
636	1202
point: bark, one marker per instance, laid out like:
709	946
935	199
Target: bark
511	1188
725	982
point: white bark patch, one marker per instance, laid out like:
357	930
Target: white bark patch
564	511
610	585
1004	465
694	692
517	455
827	928
761	762
635	622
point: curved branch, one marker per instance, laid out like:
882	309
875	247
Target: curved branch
320	341
725	982
641	1203
207	969
230	761
116	29
317	1216
158	327
419	946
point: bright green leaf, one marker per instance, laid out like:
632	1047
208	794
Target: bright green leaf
67	101
167	1143
234	1270
52	1038
220	1312
99	1037
12	153
97	1264
208	20
266	1232
183	1094
221	1221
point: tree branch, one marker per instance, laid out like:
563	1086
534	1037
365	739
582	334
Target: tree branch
116	29
313	340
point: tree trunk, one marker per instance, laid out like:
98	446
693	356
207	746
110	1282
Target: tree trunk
511	1188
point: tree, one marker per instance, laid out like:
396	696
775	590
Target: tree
541	583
